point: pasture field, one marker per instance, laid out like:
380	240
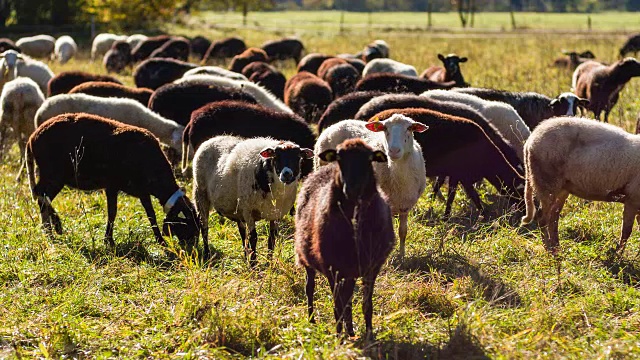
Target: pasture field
466	289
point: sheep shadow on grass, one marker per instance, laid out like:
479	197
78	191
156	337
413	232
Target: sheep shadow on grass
626	270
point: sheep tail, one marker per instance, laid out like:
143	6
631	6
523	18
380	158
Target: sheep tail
30	164
185	152
528	193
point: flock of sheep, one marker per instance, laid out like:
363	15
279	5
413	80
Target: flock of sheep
361	132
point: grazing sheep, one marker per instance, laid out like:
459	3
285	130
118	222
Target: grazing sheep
14	64
135	39
402	179
112	156
345	107
176	48
255	67
591	160
266	76
118	57
449	72
225	48
39	46
153	73
311	62
532	107
199	46
8	44
65	48
215	71
144	49
247	120
601	84
344	229
246	180
377	49
127	111
357	64
287	48
67	80
572	59
247	57
397	83
178	101
109	89
102	43
342	79
328	64
308	96
388	66
631	45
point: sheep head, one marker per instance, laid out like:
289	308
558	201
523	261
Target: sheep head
398	133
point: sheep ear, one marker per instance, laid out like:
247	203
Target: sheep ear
583	102
378	156
328	156
306	153
268	153
553	103
375	126
418	127
441	57
463	59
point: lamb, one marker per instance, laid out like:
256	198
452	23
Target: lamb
199	46
109	89
153	73
176	48
631	45
39	46
215	71
246	180
266	76
591	160
308	96
388	66
601	84
102	43
136	39
8	44
124	110
67	80
247	57
146	47
344	229
345	107
118	57
449	72
397	83
14	64
287	48
402	179
64	49
225	48
311	62
112	156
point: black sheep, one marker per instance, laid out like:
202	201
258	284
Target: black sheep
247	57
147	46
8	44
225	48
345	107
118	57
631	45
307	95
342	79
284	49
177	48
199	46
107	89
311	62
397	83
266	76
153	73
67	80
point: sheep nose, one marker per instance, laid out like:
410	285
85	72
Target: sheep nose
394	153
286	175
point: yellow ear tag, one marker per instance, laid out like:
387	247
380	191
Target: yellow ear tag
181	215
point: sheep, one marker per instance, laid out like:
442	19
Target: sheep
102	43
246	180
397	83
631	45
109	89
503	116
136	39
176	48
215	71
287	48
147	46
345	107
389	66
308	96
178	101
14	64
39	46
247	57
67	80
357	64
601	84
88	152
247	120
199	46
344	229
591	160
153	73
225	48
377	49
118	57
572	59
342	79
65	48
449	72
402	179
311	62
128	111
8	44
266	76
256	67
531	106
262	95
328	64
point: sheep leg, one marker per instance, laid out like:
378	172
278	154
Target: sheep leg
554	218
402	232
606	115
45	193
546	202
253	242
243	231
273	231
437	184
112	208
475	198
310	289
202	207
346	295
451	194
367	302
333	284
628	219
145	200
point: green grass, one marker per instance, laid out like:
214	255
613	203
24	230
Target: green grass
466	289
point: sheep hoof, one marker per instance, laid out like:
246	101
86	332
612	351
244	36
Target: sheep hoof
57	224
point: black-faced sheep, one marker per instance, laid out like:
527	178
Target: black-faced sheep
153	73
102	43
389	66
109	89
247	57
176	48
308	96
344	229
14	64
118	57
225	48
8	44
112	156
199	46
345	107
39	46
311	62
601	84
266	76
396	83
449	72
631	45
147	46
247	180
65	48
288	48
67	80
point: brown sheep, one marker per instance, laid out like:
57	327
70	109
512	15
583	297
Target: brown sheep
107	89
225	48
247	57
308	96
67	80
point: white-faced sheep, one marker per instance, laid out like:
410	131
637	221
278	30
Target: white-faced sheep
388	66
65	48
344	229
102	43
247	180
14	64
39	46
402	179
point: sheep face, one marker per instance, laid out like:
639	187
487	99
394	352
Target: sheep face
452	63
9	64
283	160
567	104
182	222
398	132
630	67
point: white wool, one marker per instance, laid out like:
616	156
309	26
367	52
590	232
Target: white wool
39	46
65	48
215	71
136	39
19	101
14	64
127	111
388	66
102	43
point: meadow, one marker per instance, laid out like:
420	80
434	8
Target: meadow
467	289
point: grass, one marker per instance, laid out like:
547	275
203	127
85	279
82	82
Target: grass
466	289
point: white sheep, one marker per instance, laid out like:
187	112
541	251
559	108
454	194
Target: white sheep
402	179
39	46
65	49
102	43
246	181
215	71
589	159
136	39
382	65
14	64
501	115
127	111
263	96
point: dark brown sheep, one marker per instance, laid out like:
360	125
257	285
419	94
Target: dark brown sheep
397	83
112	156
118	57
8	44
328	64
342	79
177	48
284	49
153	73
311	62
308	96
344	229
199	46
225	48
67	80
572	59
631	45
107	89
449	72
266	76
247	57
147	46
345	107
